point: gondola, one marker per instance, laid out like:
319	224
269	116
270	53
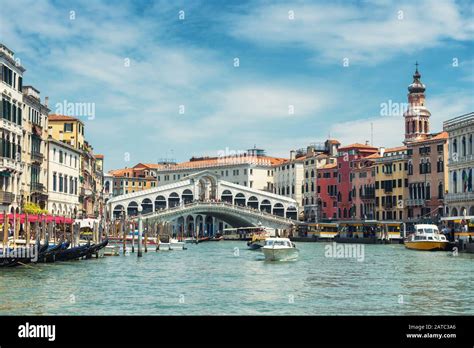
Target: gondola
50	253
72	253
96	247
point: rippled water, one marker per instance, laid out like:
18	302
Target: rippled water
209	279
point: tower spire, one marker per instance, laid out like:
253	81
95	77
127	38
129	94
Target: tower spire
417	115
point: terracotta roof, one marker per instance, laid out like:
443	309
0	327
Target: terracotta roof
216	161
433	136
55	117
99	156
358	145
395	149
329	166
151	165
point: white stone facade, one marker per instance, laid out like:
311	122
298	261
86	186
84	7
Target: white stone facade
460	198
64	175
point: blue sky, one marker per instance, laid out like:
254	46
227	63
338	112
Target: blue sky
284	62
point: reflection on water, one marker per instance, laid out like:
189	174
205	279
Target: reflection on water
209	279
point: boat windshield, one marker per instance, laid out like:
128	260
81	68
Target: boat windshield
276	242
427	230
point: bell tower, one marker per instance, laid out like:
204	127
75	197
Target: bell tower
417	116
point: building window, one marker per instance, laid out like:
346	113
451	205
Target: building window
54	181
67	127
60	183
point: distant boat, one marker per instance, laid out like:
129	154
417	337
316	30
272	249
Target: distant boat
279	249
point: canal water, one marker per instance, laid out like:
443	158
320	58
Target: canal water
219	278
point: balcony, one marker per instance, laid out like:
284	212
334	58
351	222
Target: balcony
367	196
415	202
11	126
460	159
37	156
37	187
10	164
6	197
459	197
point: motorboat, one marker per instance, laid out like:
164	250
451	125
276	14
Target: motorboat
426	237
280	249
175	244
163	246
190	240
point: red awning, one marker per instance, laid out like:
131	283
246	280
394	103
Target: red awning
34	218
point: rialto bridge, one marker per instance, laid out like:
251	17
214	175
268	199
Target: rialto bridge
203	201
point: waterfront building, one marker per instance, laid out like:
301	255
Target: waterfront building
326	190
91	184
67	129
252	169
11	132
288	177
34	180
345	164
363	187
137	178
391	184
460	197
317	156
70	130
427	175
64	172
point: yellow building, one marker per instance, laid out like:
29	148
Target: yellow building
391	184
67	129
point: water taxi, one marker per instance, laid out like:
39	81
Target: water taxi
280	249
426	237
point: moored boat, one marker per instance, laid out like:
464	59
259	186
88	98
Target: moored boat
280	249
426	237
175	244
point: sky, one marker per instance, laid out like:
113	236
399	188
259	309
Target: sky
176	79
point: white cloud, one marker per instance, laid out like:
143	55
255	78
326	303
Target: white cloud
369	32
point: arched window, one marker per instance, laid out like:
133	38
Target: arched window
464	146
440	190
455	146
312	173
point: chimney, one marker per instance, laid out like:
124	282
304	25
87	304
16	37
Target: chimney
292	155
367	142
46	100
381	151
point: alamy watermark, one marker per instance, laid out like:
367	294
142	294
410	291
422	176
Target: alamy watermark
21	253
345	251
83	109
